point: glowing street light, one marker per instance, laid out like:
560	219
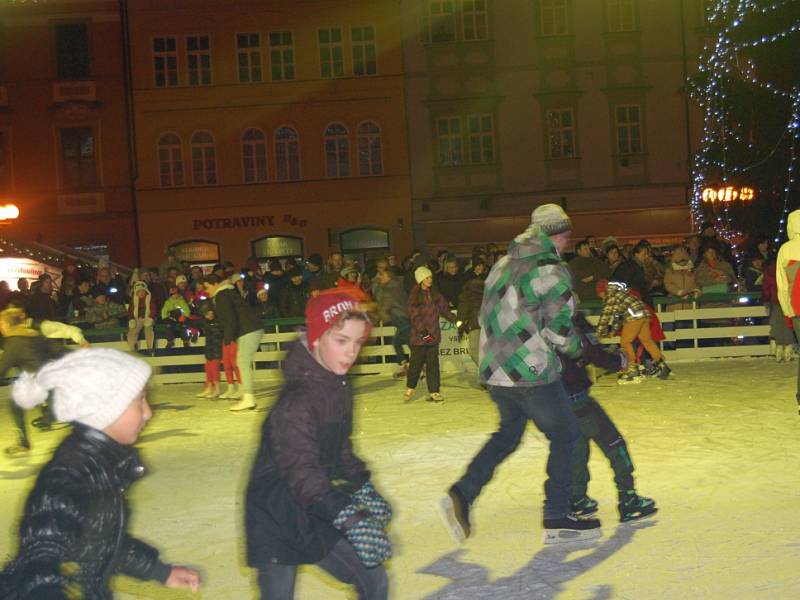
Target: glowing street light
8	212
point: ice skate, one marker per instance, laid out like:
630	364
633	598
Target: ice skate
454	510
663	370
571	528
773	346
435	397
583	506
631	375
402	370
205	393
408	395
213	392
632	506
779	353
17	451
788	353
248	402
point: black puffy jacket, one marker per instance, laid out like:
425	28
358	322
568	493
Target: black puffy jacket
73	533
235	315
305	469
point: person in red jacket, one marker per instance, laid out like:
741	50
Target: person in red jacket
425	306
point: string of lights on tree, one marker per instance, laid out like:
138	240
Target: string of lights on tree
722	63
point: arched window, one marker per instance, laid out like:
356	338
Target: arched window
287	154
254	156
170	160
370	160
337	151
204	159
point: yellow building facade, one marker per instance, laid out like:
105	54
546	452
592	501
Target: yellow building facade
269	129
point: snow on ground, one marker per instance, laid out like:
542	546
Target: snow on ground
717	447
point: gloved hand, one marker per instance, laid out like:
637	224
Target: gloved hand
378	507
365	535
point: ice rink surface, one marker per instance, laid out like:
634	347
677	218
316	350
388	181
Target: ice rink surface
717	448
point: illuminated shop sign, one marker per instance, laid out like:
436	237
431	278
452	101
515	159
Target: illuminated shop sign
728	193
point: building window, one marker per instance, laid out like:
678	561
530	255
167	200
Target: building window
198	60
365	60
448	138
337	151
370	159
281	55
442	20
72	51
629	129
165	61
170	160
331	53
204	159
78	152
254	156
287	154
475	20
561	133
248	53
621	15
480	129
553	15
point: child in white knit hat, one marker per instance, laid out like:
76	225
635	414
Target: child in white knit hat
73	535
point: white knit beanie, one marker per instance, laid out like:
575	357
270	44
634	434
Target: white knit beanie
93	386
551	219
421	273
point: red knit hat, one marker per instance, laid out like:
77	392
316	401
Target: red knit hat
324	309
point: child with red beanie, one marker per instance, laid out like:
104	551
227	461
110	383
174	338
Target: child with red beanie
309	499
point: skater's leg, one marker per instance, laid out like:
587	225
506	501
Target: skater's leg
229	360
149	337
401	335
19	421
587	429
647	341
276	582
796	325
612	444
548	407
630	331
343	563
502	443
415	366
246	348
133	334
432	368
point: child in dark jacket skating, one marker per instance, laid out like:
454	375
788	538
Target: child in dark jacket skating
309	499
595	425
73	536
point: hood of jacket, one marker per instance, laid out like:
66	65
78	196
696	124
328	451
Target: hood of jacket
225	285
793	225
532	243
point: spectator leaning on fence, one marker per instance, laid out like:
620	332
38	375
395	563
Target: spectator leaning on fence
788	277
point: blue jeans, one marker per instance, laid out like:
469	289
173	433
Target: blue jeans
276	582
549	409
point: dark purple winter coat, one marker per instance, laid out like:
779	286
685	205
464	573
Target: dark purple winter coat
305	470
424	309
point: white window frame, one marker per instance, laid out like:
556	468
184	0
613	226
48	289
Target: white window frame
558	132
165	56
624	124
286	149
170	154
330	48
207	175
621	15
558	14
363	47
251	56
476	13
484	138
257	166
455	141
369	146
282	50
337	151
437	13
199	71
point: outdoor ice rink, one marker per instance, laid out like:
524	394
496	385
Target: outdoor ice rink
717	447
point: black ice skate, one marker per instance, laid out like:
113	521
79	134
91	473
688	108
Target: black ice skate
583	506
658	369
631	375
454	510
571	528
632	506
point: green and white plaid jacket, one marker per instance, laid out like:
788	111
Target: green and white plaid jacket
526	315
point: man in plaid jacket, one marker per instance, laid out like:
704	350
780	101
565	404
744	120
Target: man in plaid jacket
526	317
